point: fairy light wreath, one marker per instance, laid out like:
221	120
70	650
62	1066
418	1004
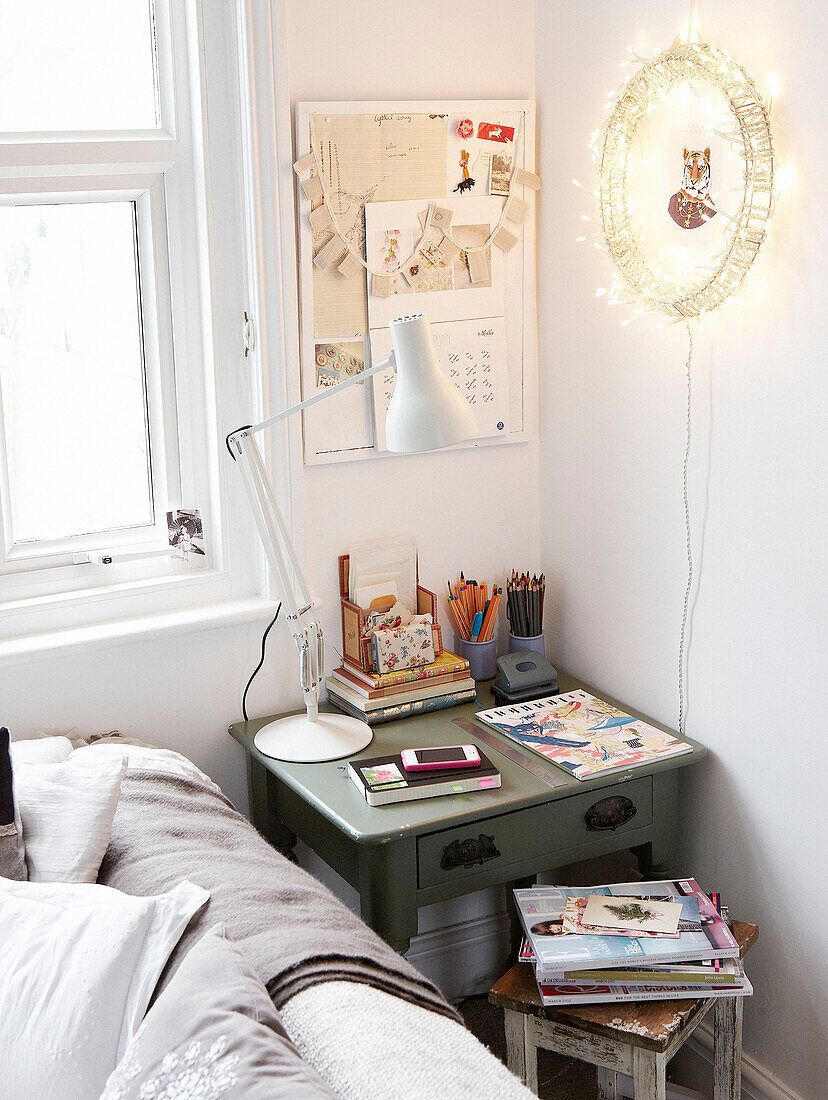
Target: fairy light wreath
744	231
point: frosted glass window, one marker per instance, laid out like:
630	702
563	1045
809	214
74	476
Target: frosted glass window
72	379
77	65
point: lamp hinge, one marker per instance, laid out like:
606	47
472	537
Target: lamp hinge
248	334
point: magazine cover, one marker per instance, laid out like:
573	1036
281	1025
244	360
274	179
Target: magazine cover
583	734
579	993
542	908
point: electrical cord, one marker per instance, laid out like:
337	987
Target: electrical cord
255	672
682	653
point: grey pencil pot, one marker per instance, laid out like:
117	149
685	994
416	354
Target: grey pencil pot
526	645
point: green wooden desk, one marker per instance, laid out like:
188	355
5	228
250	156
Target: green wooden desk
396	856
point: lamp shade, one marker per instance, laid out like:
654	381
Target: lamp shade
427	411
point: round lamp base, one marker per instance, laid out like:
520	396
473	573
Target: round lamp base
296	738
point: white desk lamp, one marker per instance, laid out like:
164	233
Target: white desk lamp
426	412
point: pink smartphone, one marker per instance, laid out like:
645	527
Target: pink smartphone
446	756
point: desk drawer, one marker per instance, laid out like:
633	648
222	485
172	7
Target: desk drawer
534	833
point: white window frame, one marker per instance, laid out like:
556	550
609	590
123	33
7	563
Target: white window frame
214	388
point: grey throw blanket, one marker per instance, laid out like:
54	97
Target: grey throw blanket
291	928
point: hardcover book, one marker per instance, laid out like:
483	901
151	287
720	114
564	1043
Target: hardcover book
583	734
383	780
412	692
541	910
400	710
355	680
445	663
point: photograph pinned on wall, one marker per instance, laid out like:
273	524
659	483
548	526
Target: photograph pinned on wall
336	361
185	534
501	173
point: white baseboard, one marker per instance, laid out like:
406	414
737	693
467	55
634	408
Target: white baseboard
758	1083
464	959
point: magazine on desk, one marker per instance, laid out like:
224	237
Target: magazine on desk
710	972
583	734
542	908
572	993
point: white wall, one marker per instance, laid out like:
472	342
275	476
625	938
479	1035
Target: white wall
473	509
612	414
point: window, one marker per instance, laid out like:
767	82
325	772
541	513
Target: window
112	314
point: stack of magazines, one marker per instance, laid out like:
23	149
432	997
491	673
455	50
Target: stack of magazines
632	941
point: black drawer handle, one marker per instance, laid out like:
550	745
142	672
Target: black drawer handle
609	813
466	853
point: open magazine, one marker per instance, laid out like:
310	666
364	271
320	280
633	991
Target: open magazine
583	734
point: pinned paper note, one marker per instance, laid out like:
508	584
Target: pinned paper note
312	188
500	174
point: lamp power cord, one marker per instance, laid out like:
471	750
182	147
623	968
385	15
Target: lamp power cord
255	671
682	653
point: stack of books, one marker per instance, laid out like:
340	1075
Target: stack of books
626	957
386	697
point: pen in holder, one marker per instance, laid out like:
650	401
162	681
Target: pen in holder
475	613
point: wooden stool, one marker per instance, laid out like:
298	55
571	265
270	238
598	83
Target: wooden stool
636	1038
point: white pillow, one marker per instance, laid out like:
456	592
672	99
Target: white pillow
79	965
40	750
66	813
144	758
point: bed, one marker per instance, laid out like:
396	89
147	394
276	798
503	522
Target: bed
359	1013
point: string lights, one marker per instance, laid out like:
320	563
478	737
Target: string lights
637	280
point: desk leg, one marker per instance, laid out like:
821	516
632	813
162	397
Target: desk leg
727	1048
387	890
264	811
649	1075
513	1025
657	858
607	1083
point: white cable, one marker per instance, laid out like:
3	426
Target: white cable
688	547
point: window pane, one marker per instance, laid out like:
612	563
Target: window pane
72	380
77	65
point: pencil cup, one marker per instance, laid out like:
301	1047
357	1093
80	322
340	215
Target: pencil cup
526	645
481	657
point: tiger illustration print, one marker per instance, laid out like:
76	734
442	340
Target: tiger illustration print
691	206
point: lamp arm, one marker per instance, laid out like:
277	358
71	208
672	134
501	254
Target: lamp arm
324	393
279	550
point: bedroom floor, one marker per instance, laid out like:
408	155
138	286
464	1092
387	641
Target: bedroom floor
559	1078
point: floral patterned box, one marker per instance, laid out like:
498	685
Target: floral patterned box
402	647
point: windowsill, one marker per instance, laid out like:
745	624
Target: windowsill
181	621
